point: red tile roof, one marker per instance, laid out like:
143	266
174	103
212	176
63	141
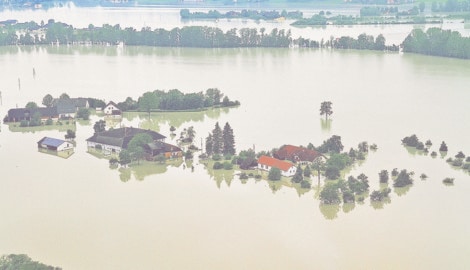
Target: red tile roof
296	153
273	162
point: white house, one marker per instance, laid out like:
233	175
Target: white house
266	163
54	144
112	109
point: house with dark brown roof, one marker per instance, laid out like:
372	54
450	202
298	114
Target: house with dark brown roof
297	154
161	148
266	163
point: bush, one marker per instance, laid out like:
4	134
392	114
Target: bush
258	176
403	179
274	174
305	184
98	147
423	176
228	165
467	159
411	141
394	172
448	180
443	147
466	166
449	160
433	154
216	157
383	176
457	162
217	166
460	155
49	122
24	123
243	176
348	197
332	173
329	194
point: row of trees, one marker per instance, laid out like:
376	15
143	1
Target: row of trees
177	100
438	42
245	14
188	36
221	142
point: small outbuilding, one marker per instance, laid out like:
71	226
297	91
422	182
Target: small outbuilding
54	144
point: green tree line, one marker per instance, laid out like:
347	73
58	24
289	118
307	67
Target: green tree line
437	42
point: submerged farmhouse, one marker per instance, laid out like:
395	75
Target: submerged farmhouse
61	109
112	109
297	154
54	144
266	163
115	140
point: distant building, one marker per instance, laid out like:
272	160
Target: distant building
112	109
267	163
162	148
54	144
114	140
297	154
20	114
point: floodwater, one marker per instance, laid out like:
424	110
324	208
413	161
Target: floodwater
78	213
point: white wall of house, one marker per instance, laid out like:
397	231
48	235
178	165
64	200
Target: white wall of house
110	108
65	146
105	147
290	172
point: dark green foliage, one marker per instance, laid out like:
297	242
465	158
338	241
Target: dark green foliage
348	197
188	155
352	153
247	159
411	141
49	122
333	144
113	161
298	176
326	109
457	162
31	105
217	140
274	174
124	157
383	176
439	42
358	186
433	154
420	146
47	100
96	103
443	147
423	176
428	143
209	142
332	173
403	179
329	194
217	165
466	166
460	155
70	134
246	14
228	165
363	147
127	105
378	196
305	184
394	172
83	113
22	262
449	160
243	176
228	140
448	180
307	171
467	159
99	126
373	147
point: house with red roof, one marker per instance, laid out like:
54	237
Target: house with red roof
297	154
266	163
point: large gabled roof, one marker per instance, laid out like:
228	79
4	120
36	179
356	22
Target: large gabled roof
274	162
122	136
296	153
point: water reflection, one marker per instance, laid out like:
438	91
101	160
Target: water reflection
329	211
62	154
325	124
377	205
400	191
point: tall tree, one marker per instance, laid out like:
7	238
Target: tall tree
228	140
136	145
47	100
326	109
148	101
64	96
319	165
99	126
217	140
209	143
